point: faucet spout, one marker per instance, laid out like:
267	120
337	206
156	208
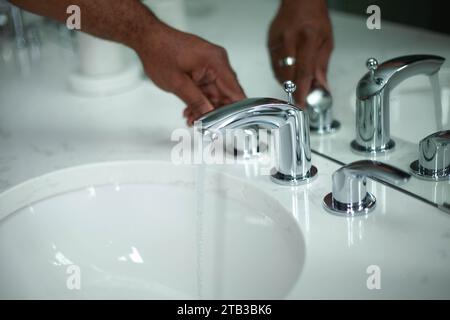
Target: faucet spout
373	94
294	163
392	72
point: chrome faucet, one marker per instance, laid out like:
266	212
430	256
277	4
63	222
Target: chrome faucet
349	196
434	157
294	163
372	98
318	101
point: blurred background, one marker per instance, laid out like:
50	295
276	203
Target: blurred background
418	13
22	33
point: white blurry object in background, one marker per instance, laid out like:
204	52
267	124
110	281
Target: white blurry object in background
6	33
198	8
3	19
22	56
20	38
104	68
100	57
171	12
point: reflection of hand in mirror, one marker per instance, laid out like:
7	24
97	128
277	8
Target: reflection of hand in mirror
300	44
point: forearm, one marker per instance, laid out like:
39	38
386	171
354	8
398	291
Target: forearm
124	21
312	2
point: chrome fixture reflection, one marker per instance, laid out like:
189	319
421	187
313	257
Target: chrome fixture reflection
19	28
372	98
20	39
434	157
252	146
319	102
294	152
349	196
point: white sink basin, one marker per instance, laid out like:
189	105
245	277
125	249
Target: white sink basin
145	230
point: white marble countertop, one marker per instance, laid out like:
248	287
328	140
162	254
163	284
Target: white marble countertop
44	127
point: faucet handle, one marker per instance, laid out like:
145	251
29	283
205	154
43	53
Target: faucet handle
349	196
434	157
289	88
372	65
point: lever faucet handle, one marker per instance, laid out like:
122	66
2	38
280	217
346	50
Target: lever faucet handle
289	88
349	196
372	64
434	157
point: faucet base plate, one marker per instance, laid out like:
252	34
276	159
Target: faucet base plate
430	175
351	210
356	147
333	127
287	180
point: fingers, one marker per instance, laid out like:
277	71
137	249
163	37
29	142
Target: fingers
213	94
304	47
323	59
279	49
302	30
210	92
217	90
305	67
226	81
230	90
187	113
218	80
192	96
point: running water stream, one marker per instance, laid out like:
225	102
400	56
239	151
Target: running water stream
199	208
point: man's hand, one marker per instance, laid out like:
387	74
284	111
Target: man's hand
197	71
302	30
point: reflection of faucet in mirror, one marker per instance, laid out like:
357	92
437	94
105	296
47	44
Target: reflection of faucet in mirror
294	152
20	37
434	157
372	98
349	196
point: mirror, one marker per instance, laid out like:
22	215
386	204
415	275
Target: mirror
418	108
